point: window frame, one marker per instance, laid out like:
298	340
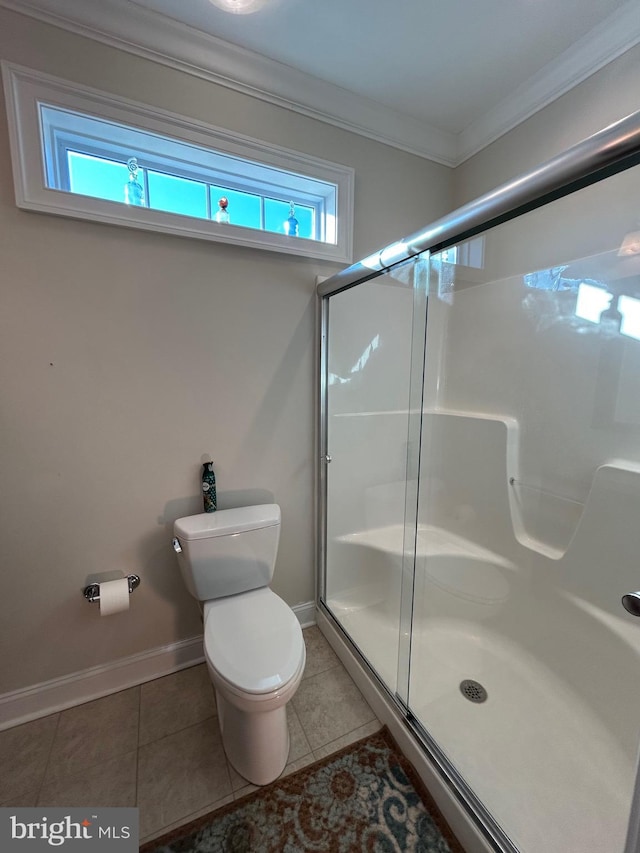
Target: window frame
70	132
26	90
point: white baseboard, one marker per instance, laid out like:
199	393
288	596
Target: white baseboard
20	706
306	613
48	697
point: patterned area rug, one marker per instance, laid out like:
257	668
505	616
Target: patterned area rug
364	799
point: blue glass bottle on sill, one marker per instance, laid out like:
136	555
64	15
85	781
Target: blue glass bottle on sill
133	191
291	225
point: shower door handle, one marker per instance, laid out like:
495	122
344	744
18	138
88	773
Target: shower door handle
327	459
631	603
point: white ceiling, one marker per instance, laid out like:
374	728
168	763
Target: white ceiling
441	78
443	61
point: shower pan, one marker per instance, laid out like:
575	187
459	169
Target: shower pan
479	496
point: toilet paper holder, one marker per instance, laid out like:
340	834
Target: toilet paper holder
92	592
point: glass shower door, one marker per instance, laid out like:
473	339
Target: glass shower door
370	442
525	666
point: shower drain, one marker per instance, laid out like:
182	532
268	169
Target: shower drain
473	690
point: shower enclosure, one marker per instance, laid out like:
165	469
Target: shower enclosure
480	493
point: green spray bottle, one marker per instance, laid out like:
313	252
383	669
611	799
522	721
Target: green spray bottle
209	487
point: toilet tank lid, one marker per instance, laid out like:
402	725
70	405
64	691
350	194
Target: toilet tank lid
224	522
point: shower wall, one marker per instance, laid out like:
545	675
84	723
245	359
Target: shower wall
494	610
513	339
529	499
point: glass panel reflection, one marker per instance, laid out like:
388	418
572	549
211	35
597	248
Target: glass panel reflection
369	371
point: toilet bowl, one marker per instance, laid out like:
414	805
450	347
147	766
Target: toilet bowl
253	641
255	654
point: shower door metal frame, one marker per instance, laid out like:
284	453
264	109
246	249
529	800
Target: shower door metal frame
612	150
607	152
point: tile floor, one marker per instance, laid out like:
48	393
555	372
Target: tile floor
157	746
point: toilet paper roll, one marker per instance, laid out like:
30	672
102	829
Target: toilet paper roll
114	596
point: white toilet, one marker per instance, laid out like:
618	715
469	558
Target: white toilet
253	642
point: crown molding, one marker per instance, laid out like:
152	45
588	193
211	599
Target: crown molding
126	25
589	54
136	29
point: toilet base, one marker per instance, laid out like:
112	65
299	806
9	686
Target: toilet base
256	743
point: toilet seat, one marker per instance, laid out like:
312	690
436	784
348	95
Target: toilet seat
253	641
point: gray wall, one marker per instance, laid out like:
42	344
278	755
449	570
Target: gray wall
125	356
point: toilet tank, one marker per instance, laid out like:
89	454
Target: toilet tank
229	551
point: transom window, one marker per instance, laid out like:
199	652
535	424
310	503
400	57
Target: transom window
93	157
117	161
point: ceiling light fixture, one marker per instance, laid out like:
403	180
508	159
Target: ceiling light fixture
239	7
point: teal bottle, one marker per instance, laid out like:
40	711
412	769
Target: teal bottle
291	225
209	487
133	191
